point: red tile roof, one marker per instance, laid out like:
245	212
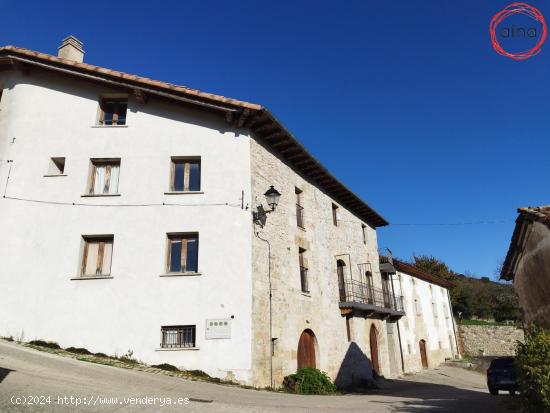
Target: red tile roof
265	127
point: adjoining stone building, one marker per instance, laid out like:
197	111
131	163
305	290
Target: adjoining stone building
137	220
527	263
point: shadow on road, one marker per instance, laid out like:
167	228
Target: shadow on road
4	373
438	398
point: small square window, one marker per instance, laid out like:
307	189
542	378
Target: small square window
104	176
97	256
178	336
183	253
185	174
113	111
56	166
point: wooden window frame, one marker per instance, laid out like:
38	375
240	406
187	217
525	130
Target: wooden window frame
115	114
170	237
187	161
102	239
94	163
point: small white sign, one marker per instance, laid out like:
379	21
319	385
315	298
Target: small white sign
218	328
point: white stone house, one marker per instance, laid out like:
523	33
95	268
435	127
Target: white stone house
134	218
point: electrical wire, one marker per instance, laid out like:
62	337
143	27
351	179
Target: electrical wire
39	201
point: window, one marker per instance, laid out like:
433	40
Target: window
299	208
178	337
97	255
303	270
335	215
434	307
185	175
364	232
417	307
113	111
183	253
56	166
104	177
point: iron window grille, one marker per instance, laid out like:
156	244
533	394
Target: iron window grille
178	337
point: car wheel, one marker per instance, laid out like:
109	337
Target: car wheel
493	391
512	392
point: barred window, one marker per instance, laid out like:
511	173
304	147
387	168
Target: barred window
178	336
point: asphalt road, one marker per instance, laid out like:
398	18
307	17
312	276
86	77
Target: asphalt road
26	372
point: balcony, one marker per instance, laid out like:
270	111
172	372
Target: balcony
361	297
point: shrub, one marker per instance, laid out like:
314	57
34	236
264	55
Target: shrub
103	355
534	370
309	381
42	343
78	350
165	366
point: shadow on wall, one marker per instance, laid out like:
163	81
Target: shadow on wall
355	371
4	373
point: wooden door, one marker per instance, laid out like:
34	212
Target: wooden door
386	289
423	355
306	350
374	351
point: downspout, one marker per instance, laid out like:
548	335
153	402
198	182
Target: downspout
270	307
453	320
398	332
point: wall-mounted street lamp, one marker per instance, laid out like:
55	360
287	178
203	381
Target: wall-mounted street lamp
272	197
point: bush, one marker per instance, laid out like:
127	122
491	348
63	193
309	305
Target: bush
78	350
42	343
534	370
103	355
165	366
309	381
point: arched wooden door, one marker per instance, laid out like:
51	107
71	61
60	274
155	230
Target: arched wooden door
306	350
374	351
340	266
423	355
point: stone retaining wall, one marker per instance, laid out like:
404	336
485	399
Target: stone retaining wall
489	340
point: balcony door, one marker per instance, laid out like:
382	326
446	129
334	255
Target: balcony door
340	269
386	289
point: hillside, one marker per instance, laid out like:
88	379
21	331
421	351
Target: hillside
471	296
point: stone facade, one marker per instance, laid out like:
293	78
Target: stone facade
490	340
527	264
293	311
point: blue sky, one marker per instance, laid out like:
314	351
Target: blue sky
405	101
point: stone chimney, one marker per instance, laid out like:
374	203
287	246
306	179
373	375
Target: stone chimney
71	49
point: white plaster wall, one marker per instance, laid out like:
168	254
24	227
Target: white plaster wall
437	331
54	116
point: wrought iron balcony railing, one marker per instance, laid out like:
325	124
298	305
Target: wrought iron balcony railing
352	291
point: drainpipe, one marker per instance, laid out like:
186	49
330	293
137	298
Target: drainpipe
270	307
398	332
453	320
